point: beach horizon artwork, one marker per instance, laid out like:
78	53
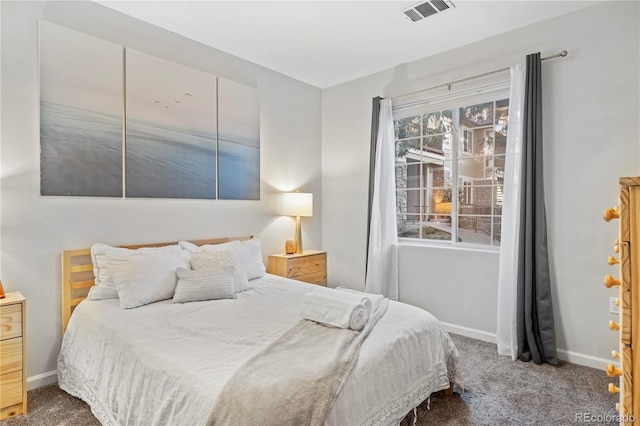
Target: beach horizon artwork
81	114
171	129
238	141
118	122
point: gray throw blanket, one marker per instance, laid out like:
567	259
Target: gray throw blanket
295	379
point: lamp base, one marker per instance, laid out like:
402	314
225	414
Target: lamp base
298	236
290	247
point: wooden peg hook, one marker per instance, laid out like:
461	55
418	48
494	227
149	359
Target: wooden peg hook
613	371
609	281
610	214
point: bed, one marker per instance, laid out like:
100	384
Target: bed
166	363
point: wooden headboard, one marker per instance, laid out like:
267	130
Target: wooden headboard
77	273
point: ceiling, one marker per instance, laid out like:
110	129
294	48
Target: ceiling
325	43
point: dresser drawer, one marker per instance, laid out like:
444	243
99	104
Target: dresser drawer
11	355
10	321
13	380
11	389
307	265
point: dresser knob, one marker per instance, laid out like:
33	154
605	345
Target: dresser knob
615	354
616	246
609	281
613	388
610	214
614	325
613	371
613	260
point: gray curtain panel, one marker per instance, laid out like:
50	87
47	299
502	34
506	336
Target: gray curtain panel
375	123
536	333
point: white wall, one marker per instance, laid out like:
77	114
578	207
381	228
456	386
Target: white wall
0	158
591	127
36	229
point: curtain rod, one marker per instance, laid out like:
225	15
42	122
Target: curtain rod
448	85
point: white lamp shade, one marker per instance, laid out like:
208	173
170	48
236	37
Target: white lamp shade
297	204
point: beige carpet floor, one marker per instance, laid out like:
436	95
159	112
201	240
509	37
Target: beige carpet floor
498	391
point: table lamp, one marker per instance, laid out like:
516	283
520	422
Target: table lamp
297	204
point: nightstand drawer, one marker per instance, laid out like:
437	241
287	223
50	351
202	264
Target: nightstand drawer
307	265
310	266
11	355
11	388
319	278
10	321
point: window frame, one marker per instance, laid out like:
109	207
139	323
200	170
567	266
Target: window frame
493	92
466	148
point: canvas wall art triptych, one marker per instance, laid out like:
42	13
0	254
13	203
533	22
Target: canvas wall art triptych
117	122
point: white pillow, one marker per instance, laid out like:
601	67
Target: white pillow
144	278
208	259
209	284
251	258
248	252
100	292
189	246
192	248
104	287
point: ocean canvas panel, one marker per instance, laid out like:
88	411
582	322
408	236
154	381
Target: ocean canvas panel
81	114
238	141
171	129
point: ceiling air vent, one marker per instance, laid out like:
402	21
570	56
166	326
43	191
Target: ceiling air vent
423	10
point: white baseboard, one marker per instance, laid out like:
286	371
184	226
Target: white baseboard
470	332
563	354
40	380
586	360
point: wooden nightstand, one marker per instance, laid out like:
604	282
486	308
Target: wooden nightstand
310	267
13	356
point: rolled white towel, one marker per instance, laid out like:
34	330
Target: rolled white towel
368	299
329	309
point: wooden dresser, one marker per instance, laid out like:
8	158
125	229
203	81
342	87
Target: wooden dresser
13	371
310	267
628	286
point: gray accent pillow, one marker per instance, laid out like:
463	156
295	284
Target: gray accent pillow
209	284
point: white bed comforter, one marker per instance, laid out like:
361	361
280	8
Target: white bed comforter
165	364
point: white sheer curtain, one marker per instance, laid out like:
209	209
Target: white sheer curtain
512	198
382	264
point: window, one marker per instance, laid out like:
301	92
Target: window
467	142
450	171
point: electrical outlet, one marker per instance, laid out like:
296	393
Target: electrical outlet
613	308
